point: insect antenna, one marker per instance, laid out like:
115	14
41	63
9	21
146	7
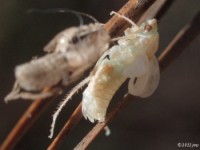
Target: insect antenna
64	102
124	17
64	10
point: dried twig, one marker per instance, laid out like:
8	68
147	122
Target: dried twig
156	10
25	122
73	121
38	106
188	33
111	26
100	126
175	48
133	9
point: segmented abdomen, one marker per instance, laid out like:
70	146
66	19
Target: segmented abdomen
43	72
100	91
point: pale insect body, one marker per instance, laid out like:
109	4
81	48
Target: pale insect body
71	52
133	57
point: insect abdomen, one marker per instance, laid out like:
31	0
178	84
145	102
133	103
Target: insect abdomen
41	73
100	91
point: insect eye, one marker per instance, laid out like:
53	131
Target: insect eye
79	37
75	39
148	28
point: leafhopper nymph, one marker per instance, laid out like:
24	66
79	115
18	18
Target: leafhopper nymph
133	57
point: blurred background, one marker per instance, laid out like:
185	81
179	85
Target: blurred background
169	117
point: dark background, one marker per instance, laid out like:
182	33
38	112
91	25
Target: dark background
170	116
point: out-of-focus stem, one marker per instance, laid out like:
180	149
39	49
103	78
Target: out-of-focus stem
25	122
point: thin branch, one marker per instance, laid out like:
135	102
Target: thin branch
25	122
38	106
133	9
100	126
175	48
72	121
180	41
110	26
155	10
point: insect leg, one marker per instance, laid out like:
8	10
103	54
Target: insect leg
13	94
64	102
31	96
107	131
16	93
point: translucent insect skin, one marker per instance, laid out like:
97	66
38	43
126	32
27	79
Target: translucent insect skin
43	72
134	58
71	52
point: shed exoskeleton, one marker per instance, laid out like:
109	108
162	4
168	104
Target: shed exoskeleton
70	53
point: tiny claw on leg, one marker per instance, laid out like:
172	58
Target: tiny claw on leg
107	131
